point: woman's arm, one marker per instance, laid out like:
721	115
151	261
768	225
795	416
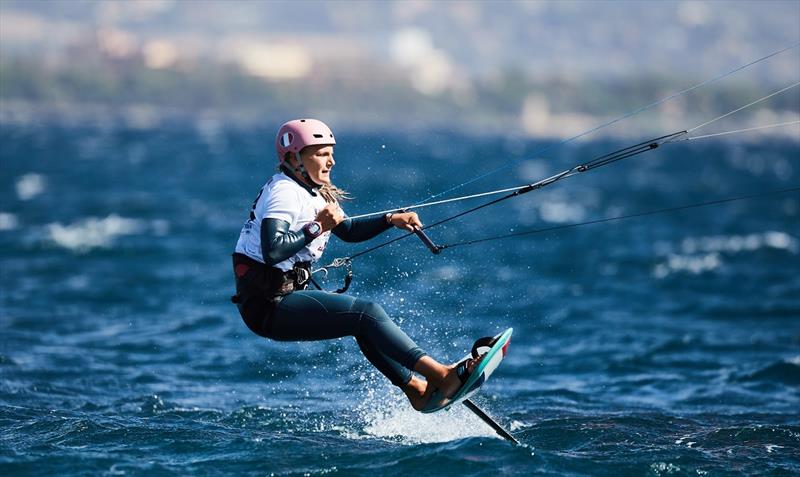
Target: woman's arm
278	244
359	230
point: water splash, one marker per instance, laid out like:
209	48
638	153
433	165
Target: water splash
388	416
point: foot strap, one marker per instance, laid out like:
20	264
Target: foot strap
479	348
462	370
485	342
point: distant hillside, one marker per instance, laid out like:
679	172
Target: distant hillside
529	68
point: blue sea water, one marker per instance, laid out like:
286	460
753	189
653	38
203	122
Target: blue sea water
662	345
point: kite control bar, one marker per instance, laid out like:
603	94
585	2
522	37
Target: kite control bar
427	241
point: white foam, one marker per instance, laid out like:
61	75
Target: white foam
697	255
30	185
687	263
781	240
771	447
8	221
664	468
741	243
93	232
561	212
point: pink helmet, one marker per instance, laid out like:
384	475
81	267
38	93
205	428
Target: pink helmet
294	135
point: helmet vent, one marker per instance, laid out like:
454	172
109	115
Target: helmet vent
318	136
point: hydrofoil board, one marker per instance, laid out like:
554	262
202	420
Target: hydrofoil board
490	359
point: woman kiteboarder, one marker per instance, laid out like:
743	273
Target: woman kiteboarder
289	226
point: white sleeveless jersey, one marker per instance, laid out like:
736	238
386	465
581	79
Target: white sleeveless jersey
283	198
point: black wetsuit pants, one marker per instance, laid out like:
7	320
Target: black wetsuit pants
311	315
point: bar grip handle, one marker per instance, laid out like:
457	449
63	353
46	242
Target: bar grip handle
427	241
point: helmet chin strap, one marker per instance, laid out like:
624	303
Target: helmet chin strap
301	169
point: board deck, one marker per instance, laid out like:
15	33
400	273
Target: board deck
491	360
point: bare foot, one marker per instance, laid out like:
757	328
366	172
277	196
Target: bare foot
449	384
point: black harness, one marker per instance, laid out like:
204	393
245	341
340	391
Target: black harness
255	280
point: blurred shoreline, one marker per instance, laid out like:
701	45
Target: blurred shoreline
146	116
521	69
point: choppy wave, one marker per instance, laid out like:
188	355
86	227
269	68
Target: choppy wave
93	232
785	372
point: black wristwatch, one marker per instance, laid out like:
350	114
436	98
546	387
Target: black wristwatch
313	230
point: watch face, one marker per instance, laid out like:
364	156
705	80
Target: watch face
314	228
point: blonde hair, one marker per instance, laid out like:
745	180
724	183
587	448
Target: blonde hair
333	194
